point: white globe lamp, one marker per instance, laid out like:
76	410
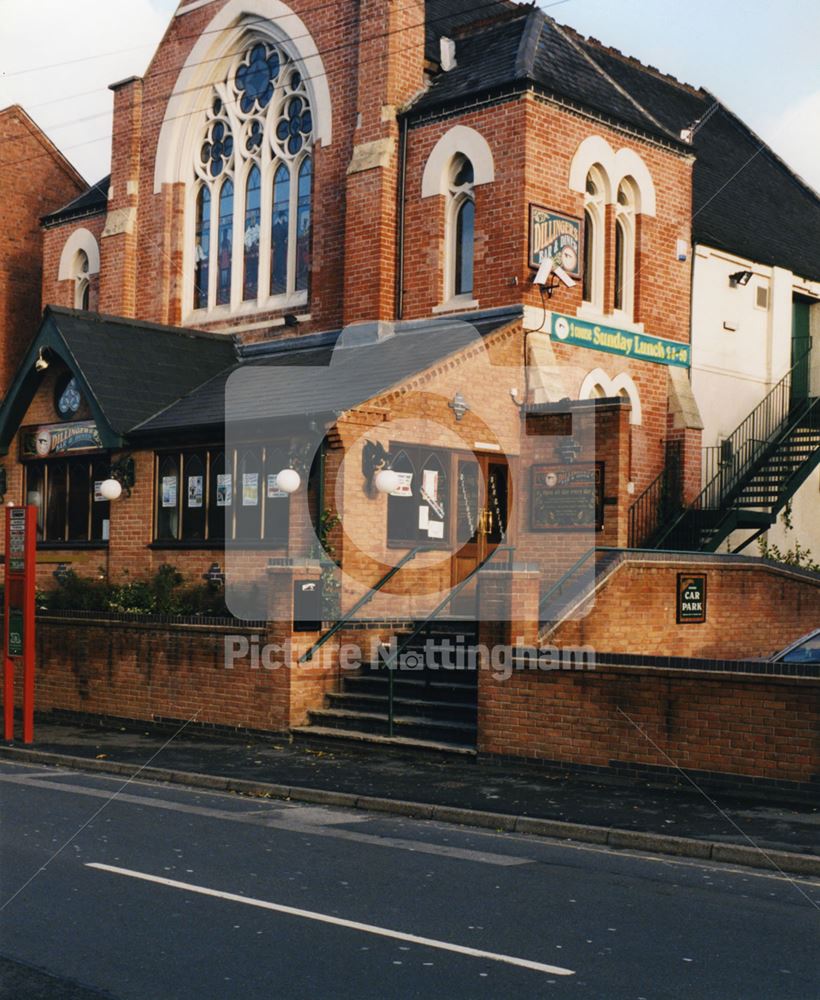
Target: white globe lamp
288	480
111	489
387	481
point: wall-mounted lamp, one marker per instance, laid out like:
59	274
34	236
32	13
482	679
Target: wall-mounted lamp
375	463
288	480
568	449
387	481
458	404
214	576
549	275
122	477
740	278
42	362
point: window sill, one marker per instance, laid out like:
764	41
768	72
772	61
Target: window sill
459	303
247	310
592	314
55	546
222	546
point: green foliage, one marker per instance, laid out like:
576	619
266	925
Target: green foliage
795	556
163	594
324	550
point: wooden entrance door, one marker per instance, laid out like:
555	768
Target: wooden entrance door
482	506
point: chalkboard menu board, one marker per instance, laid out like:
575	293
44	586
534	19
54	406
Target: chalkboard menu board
567	497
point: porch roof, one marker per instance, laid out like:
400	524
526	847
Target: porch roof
126	369
327	374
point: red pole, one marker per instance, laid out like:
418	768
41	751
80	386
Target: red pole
8	663
28	623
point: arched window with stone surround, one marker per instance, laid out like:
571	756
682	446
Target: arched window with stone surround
625	247
82	282
594	239
460	229
251	200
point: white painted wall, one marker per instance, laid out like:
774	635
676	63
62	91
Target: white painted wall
739	351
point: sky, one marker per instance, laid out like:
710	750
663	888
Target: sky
761	59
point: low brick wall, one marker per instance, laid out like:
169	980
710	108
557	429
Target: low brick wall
621	719
753	609
149	671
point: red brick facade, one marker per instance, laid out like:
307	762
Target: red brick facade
34	179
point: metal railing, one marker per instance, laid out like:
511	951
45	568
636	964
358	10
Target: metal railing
391	660
728	464
660	501
371	593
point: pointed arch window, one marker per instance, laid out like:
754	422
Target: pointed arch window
624	291
594	226
460	230
252	201
82	282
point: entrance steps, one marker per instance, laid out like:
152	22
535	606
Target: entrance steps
433	703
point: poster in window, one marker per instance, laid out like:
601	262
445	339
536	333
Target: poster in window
98	497
169	491
195	491
274	493
250	489
568	497
429	491
405	486
224	490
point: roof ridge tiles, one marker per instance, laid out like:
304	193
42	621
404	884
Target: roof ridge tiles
634	61
528	46
579	47
92	317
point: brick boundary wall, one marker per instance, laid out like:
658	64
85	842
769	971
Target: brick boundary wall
729	729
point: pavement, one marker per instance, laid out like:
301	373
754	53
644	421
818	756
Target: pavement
455	789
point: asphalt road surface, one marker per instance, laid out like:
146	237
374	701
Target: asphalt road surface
157	892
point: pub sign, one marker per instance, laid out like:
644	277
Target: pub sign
555	236
59	439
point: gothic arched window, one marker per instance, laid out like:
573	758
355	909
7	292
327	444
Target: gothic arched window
252	197
461	229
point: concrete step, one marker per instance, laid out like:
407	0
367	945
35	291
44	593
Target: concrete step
325	736
415	687
377	704
416	727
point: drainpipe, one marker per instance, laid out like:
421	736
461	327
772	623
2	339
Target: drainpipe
400	219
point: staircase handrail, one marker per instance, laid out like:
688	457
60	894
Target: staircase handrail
565	577
347	618
775	407
390	660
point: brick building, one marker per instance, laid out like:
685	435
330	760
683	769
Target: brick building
448	239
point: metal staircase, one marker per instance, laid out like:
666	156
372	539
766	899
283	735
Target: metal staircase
752	474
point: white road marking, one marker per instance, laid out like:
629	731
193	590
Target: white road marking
263	904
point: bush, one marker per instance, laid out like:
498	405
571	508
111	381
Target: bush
163	594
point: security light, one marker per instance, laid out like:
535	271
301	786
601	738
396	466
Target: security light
740	278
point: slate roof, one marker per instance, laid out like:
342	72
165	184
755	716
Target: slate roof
90	202
447	17
532	49
745	199
286	383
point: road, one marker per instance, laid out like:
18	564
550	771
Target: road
167	893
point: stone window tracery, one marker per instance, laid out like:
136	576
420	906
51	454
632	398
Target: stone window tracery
252	192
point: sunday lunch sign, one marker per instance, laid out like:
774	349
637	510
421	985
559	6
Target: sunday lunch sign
627	343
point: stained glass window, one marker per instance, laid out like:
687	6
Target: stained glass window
223	290
202	248
257	135
303	227
280	230
253	194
